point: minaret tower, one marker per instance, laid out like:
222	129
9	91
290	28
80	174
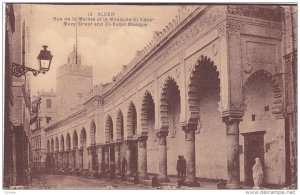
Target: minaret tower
74	82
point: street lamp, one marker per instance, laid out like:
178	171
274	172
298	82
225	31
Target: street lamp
44	61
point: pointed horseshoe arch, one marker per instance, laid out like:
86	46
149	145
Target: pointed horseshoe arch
83	138
52	145
62	143
108	129
119	126
147	103
68	142
202	67
56	144
131	120
276	89
75	140
170	85
93	132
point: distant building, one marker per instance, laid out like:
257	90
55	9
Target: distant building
44	112
74	83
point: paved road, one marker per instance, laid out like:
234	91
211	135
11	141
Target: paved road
78	182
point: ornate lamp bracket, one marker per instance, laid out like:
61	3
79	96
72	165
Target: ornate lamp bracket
19	70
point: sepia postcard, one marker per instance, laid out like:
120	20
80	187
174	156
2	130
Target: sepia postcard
153	96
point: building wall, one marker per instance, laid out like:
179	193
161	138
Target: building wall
290	35
45	111
17	146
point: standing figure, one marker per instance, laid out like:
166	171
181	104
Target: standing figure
123	168
179	166
257	173
124	165
183	168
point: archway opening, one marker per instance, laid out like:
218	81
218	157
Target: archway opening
120	126
56	144
260	104
83	146
93	132
75	155
203	101
62	143
52	145
131	132
68	142
75	140
131	120
109	133
148	121
170	115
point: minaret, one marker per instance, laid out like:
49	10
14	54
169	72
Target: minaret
74	81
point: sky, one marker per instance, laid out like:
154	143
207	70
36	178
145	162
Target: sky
105	48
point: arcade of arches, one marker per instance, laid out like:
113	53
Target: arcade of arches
217	101
155	151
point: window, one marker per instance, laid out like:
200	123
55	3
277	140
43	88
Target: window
253	117
48	119
48	103
267	108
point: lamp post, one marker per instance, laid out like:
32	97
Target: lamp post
44	60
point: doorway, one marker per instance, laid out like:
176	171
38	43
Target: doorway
254	147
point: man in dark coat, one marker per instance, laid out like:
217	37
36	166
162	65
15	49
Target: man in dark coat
179	167
124	165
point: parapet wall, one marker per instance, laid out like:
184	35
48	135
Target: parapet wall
74	70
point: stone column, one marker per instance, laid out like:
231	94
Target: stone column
190	155
129	158
67	153
106	159
100	161
143	155
63	159
72	159
117	158
80	152
163	163
233	155
56	160
91	157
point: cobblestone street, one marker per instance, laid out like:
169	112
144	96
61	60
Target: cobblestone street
65	182
78	182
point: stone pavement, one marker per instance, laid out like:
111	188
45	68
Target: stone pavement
65	182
